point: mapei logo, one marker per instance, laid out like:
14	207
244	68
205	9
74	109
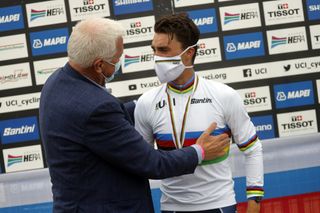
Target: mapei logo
294	94
19	130
244	45
49	41
11	18
313	7
206	20
240	16
264	126
131	6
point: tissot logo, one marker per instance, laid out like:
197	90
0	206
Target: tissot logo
18	130
313	7
280	12
294	94
256	99
208	50
264	126
206	20
11	18
138	29
297	123
49	41
240	16
46	13
287	40
131	6
243	45
84	8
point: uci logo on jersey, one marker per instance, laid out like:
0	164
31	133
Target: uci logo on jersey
11	18
205	20
244	45
18	130
49	41
294	94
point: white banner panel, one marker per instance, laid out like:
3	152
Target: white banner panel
46	13
256	99
208	51
137	59
12	47
23	158
315	36
44	68
240	16
281	12
138	29
19	102
88	8
15	76
297	123
287	40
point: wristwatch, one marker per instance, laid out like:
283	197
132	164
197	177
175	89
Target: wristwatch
257	199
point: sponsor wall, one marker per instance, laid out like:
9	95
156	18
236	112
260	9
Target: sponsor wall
268	50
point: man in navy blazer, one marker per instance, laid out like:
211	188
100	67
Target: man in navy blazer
97	161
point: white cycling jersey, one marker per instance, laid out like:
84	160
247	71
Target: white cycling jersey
163	113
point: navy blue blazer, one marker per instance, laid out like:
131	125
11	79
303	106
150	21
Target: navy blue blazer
97	161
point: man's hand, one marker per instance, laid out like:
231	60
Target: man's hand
213	146
253	207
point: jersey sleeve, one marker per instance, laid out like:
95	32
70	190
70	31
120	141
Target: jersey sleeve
142	120
245	136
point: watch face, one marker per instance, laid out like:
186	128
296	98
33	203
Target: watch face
258	199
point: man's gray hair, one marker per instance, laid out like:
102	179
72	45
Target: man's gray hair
94	38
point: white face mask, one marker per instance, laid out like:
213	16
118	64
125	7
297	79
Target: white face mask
170	68
116	69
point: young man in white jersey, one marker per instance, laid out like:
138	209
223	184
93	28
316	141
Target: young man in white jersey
175	114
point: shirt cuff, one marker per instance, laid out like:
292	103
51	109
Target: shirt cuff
200	152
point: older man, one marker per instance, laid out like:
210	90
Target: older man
97	160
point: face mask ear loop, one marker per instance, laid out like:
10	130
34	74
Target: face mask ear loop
187	67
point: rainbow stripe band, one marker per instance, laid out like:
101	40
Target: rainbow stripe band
243	147
255	191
